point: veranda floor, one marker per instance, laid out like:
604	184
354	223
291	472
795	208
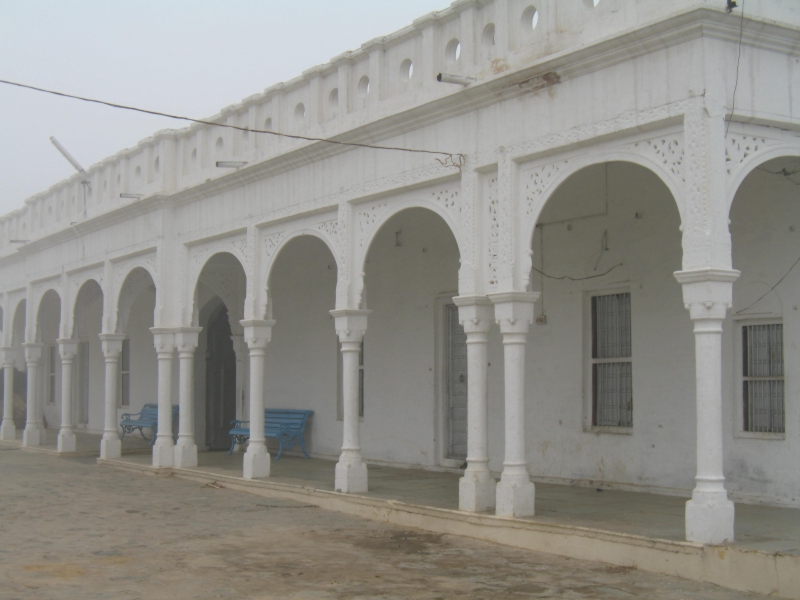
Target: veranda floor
758	527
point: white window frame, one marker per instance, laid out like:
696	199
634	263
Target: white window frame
588	361
738	354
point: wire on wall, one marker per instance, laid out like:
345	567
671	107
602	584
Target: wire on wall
738	62
449	159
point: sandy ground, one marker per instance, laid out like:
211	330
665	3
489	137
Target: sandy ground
71	530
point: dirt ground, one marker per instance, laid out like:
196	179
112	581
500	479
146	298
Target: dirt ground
72	530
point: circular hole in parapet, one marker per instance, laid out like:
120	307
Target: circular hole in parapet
487	37
530	18
157	164
138	172
194	154
220	144
453	50
333	97
363	86
406	69
300	111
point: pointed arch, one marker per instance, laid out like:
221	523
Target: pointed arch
223	274
88	292
136	282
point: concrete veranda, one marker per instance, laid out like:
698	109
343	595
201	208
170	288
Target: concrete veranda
765	528
71	530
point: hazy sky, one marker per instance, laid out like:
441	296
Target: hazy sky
191	57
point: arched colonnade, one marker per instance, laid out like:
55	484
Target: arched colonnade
495	281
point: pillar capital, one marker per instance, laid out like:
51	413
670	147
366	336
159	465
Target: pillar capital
112	344
239	347
707	293
163	339
67	348
513	311
351	324
257	332
186	338
33	352
9	355
475	313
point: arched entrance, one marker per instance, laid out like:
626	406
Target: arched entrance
220	379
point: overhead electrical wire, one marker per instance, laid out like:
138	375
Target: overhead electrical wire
451	159
738	60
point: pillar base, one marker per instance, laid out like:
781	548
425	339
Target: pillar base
185	454
709	519
110	446
256	462
515	496
163	452
351	475
476	490
32	436
8	431
66	441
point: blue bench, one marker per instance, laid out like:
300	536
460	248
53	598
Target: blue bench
147	418
284	424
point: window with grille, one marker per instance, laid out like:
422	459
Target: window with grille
51	372
762	375
340	401
612	391
125	373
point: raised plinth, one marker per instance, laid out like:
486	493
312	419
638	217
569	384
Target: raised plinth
185	454
351	475
256	462
476	490
66	442
516	495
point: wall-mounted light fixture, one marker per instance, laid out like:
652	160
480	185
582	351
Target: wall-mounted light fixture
457	79
131	196
231	164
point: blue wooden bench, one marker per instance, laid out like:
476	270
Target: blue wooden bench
146	419
284	424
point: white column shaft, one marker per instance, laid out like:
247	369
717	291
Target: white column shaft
7	430
477	399
66	436
33	434
163	449
257	358
514	357
350	396
708	364
111	389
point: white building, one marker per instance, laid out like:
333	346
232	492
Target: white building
640	154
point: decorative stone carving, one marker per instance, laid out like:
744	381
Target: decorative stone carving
493	217
667	151
537	180
367	218
739	147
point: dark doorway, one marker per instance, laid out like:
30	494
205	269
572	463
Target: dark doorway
220	381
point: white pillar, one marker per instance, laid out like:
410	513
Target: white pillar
7	430
351	471
164	448
514	313
110	445
256	462
240	350
66	436
186	450
477	488
708	293
34	434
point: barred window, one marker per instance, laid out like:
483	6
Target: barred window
762	385
612	395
